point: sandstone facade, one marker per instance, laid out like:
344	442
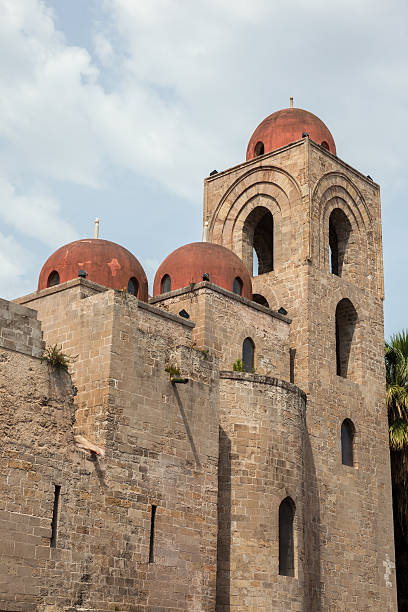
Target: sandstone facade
158	476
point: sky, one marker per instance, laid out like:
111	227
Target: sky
118	109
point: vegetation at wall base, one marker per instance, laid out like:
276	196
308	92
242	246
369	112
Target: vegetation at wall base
396	363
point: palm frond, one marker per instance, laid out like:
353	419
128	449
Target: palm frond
399	435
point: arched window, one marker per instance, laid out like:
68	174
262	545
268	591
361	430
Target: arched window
259	299
53	279
258	240
133	286
237	285
165	284
325	145
286	538
259	148
339	235
347	442
248	355
346	321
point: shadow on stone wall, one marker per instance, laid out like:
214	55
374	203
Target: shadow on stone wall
187	426
401	561
312	533
224	523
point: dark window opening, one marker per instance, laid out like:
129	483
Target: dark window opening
53	279
259	299
237	285
133	286
286	538
54	522
339	234
347	442
292	355
165	284
258	241
151	544
346	321
248	355
325	145
259	148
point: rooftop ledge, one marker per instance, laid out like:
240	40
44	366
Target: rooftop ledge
222	291
264	380
291	145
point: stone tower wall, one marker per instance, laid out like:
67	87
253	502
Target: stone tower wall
262	448
349	542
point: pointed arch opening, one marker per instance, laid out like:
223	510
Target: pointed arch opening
258	239
346	355
165	284
286	537
347	442
248	354
339	240
53	279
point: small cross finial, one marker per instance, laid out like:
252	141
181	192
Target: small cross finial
291	102
96	232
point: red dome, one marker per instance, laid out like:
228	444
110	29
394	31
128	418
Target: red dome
188	264
106	263
286	126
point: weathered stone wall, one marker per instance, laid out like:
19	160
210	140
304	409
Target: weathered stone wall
222	322
161	443
349	538
19	329
262	447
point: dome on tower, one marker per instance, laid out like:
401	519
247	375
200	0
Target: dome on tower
100	261
189	263
286	126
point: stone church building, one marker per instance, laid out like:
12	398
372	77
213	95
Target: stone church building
222	445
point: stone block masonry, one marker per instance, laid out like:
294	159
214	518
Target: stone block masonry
161	450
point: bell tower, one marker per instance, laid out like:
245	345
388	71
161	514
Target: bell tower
308	228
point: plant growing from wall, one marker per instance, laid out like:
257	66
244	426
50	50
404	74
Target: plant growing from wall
172	370
56	358
238	366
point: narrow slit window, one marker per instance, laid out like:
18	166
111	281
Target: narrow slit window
286	538
292	356
54	522
152	525
347	442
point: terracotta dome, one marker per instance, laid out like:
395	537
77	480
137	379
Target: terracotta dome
286	126
104	262
189	263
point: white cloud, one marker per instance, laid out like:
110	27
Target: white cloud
36	216
14	265
170	89
187	82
